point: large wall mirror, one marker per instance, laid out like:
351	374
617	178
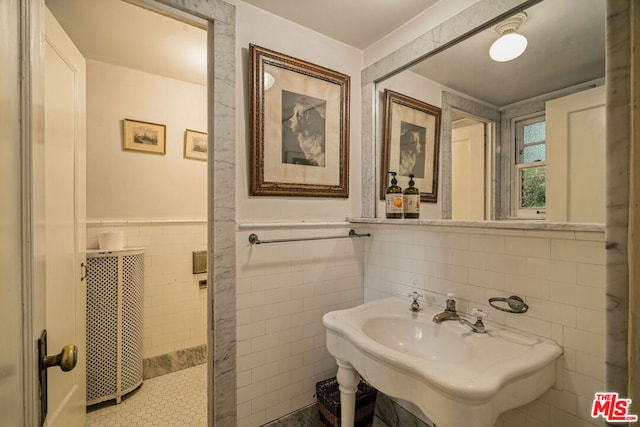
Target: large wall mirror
522	139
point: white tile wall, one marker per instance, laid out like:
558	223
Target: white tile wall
561	275
283	289
175	308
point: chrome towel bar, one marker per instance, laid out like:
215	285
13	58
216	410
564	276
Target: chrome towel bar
254	240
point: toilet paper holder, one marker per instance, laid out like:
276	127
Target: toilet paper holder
199	262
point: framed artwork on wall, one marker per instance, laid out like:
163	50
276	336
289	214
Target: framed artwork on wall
195	145
411	143
299	142
144	136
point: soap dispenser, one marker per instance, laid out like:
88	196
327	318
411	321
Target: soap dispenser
411	200
394	199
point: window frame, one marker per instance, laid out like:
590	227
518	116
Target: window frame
517	165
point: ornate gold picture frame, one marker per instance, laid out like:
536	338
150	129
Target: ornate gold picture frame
299	127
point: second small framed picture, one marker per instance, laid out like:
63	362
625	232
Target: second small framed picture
195	145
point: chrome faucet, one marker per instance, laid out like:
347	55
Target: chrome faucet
477	327
415	307
449	312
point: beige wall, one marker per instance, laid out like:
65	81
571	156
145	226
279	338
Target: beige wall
261	28
159	201
130	184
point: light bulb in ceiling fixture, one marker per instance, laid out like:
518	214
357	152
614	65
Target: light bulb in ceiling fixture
510	45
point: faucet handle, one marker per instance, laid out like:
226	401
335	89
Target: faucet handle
450	303
415	295
415	307
479	313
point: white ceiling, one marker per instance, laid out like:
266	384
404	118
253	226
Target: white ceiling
120	33
358	23
566	41
566	46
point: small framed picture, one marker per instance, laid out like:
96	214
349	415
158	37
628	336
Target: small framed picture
195	145
144	136
410	145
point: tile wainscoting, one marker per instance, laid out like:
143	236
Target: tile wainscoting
283	290
559	273
175	308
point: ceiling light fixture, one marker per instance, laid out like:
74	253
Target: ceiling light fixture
510	45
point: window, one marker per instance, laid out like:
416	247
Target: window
530	167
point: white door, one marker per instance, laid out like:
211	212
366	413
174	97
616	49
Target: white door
11	350
576	157
65	220
468	172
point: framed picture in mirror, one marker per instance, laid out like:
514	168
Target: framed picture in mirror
410	144
299	142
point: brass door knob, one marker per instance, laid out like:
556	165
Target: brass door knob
67	359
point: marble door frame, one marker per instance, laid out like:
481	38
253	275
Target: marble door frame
221	217
622	300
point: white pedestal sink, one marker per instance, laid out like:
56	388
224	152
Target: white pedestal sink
456	377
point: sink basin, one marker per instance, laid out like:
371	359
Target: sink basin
456	377
419	339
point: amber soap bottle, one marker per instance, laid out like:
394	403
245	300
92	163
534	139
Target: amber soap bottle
394	199
411	200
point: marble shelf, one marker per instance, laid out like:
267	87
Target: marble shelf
506	224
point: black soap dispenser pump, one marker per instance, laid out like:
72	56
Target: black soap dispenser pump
394	199
411	200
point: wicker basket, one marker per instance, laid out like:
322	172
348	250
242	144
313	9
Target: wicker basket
328	396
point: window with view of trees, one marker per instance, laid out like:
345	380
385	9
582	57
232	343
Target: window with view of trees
530	167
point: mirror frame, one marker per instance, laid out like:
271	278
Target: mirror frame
461	26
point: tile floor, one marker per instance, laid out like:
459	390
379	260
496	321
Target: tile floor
175	399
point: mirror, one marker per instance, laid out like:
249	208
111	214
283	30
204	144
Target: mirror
522	139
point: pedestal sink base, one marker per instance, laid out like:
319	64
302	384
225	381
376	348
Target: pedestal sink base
348	379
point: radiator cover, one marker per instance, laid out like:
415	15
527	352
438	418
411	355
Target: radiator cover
115	285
